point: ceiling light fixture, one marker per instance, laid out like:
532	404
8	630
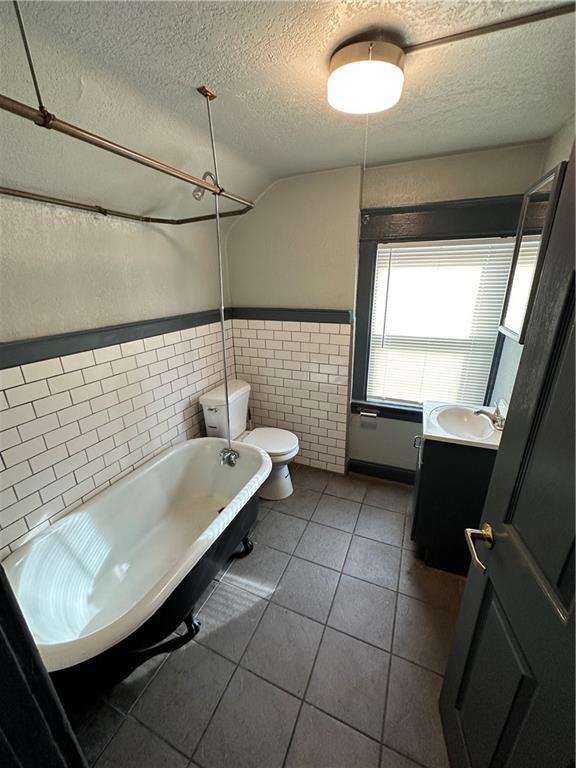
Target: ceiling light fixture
366	77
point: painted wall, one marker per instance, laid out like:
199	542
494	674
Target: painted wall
63	270
299	247
559	145
502	171
383	441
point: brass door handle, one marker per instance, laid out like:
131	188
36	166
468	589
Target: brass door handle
486	534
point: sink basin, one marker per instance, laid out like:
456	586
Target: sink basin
461	421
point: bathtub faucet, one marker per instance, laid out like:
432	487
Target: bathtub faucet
229	456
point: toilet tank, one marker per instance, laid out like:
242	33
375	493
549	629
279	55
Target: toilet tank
214	406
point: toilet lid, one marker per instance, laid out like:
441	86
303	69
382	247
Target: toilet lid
274	441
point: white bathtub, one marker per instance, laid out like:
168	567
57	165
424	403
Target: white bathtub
99	573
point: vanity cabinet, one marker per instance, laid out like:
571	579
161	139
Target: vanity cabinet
451	484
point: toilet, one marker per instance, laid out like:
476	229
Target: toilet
280	444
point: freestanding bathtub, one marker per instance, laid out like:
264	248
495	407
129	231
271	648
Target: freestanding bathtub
126	568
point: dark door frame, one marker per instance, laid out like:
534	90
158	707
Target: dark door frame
34	730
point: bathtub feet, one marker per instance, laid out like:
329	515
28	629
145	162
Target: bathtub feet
247	545
171	644
192	625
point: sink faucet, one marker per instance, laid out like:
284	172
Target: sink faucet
229	456
496	417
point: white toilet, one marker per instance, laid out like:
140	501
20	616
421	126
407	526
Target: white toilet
279	444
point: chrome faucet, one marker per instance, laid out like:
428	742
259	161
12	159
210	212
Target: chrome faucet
497	418
229	456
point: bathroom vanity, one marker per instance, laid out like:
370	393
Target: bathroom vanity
456	454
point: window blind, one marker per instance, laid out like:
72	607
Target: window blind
436	311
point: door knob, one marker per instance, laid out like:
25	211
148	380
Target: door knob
484	534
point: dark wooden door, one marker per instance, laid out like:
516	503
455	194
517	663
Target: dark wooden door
508	695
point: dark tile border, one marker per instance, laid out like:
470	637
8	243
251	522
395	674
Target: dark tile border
341	316
45	347
42	348
385	471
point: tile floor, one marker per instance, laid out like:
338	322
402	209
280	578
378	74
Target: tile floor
325	648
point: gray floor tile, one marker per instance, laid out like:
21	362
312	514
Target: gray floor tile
125	694
322	742
252	724
98	727
407	542
349	682
364	610
412	718
391	759
228	620
135	747
389	495
351	487
307	588
380	524
373	561
339	513
423	633
283	649
251	727
180	700
301	503
325	546
263	510
429	584
309	477
206	594
259	572
279	531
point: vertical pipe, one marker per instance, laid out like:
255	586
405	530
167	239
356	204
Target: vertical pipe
28	53
220	268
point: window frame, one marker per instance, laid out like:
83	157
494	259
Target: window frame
488	217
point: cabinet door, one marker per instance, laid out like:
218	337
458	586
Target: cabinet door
452	487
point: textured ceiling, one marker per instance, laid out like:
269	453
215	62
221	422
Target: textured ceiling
268	63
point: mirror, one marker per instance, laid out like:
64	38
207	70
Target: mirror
531	241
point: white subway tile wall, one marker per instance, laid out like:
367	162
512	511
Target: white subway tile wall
299	373
71	426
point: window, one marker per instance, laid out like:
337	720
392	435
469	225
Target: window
436	309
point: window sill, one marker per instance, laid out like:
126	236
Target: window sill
396	411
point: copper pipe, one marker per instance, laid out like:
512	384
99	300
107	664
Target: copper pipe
499	26
114	213
45	119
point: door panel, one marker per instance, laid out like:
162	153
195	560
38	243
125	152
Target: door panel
549	483
497	686
508	694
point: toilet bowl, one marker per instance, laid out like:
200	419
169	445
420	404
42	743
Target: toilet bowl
280	444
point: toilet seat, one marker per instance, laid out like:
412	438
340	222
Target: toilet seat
278	443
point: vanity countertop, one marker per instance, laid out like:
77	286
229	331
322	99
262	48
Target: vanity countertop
457	423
